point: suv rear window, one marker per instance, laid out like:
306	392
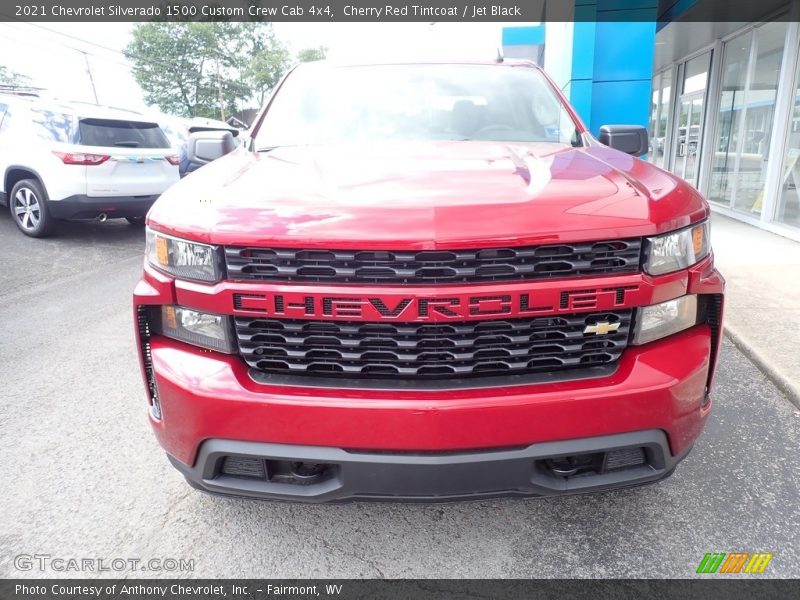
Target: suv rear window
122	134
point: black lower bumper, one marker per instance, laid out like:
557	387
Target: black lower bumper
89	207
322	474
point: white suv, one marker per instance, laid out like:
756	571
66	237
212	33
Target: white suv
79	161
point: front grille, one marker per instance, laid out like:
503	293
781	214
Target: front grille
430	351
434	266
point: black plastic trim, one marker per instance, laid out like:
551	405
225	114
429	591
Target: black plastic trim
429	477
437	267
438	385
81	206
33	172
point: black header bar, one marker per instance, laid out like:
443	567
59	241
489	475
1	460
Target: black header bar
524	11
744	588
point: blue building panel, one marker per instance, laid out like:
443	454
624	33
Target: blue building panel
611	65
583	50
619	103
624	51
580	97
524	36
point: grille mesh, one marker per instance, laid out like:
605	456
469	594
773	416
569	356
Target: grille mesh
433	266
420	351
147	359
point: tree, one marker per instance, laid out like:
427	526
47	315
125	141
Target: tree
312	54
267	60
208	69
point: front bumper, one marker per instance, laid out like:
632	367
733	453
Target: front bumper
431	444
349	475
205	397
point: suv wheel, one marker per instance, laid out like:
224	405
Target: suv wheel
136	221
28	206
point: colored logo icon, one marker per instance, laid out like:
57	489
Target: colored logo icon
734	562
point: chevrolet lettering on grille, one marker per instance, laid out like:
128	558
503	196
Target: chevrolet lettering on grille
450	307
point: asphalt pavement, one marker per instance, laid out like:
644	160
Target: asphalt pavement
83	476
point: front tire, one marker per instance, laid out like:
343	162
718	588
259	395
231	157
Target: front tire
28	207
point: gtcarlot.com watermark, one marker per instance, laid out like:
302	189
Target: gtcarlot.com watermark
61	564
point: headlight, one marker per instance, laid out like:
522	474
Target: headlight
660	320
677	250
183	259
194	327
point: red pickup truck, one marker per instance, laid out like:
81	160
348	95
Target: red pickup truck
426	282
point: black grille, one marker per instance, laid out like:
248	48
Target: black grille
434	266
147	359
712	304
428	351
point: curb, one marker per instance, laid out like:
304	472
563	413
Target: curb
781	381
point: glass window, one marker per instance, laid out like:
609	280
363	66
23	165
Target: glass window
51	125
663	117
127	134
750	72
690	115
659	112
695	74
655	104
734	77
788	211
320	104
757	115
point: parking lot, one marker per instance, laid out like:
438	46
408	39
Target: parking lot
84	477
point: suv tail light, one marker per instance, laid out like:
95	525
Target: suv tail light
173	160
80	158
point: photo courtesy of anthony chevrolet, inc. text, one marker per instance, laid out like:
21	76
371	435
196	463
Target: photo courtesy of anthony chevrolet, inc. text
441	299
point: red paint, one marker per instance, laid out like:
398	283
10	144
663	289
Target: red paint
424	196
433	195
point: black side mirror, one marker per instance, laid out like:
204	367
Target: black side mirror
205	146
630	139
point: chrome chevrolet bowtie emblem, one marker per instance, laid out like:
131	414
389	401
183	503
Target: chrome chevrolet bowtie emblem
601	328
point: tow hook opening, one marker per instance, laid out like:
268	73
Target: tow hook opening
293	472
593	463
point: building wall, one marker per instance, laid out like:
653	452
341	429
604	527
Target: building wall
747	159
626	62
604	60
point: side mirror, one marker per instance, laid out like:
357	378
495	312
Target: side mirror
202	147
630	139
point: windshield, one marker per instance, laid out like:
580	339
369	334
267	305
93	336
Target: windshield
323	105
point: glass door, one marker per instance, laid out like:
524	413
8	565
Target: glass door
690	115
689	128
751	69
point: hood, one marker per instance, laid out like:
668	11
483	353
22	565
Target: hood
425	195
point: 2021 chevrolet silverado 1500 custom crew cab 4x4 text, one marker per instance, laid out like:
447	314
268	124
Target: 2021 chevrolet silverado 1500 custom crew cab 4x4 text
427	282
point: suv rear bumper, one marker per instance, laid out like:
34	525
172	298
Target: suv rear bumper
81	206
426	477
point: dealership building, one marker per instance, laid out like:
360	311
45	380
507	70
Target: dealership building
721	100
